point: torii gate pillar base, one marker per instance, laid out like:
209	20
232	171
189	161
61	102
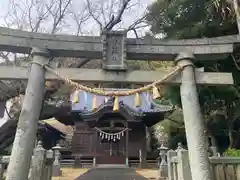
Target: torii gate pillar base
24	141
194	126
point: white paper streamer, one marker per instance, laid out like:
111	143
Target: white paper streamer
111	136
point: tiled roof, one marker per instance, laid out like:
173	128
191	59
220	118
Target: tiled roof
147	105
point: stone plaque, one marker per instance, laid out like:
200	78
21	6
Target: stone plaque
114	50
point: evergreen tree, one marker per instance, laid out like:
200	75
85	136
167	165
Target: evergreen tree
185	19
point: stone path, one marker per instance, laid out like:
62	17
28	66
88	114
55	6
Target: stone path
111	174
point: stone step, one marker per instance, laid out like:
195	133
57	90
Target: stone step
112	166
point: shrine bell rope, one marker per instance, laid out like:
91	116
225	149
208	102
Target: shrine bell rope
116	93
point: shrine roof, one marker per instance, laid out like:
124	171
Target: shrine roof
52	122
147	104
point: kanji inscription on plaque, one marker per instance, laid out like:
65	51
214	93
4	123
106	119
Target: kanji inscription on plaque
114	50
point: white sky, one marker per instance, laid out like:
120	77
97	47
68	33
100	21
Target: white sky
90	27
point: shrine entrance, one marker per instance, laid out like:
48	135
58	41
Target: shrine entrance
111	142
113	48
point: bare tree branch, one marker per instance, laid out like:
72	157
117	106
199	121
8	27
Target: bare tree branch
93	16
79	18
59	14
114	21
103	13
41	17
137	22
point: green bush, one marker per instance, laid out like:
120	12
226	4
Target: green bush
232	152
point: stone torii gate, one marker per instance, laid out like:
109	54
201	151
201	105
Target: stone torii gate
113	48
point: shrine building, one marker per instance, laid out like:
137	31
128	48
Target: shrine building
99	129
113	132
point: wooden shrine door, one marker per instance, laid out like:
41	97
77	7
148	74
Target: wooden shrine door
83	141
110	152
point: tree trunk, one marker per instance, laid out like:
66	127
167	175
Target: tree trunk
236	142
231	138
231	124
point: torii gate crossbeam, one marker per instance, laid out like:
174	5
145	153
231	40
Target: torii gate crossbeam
137	49
101	76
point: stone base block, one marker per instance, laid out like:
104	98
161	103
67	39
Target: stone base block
56	172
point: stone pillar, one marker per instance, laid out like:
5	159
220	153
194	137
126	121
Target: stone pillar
179	147
24	141
140	158
94	161
127	161
77	162
47	173
193	120
96	149
237	12
4	160
127	149
170	154
38	163
56	164
148	138
2	167
213	147
183	167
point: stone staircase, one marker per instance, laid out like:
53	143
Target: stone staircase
112	166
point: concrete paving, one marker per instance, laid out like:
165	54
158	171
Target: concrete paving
111	174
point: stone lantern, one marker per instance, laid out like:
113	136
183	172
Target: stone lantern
163	166
56	164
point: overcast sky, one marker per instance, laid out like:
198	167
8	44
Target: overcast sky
90	27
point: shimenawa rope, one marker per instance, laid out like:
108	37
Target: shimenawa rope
153	85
